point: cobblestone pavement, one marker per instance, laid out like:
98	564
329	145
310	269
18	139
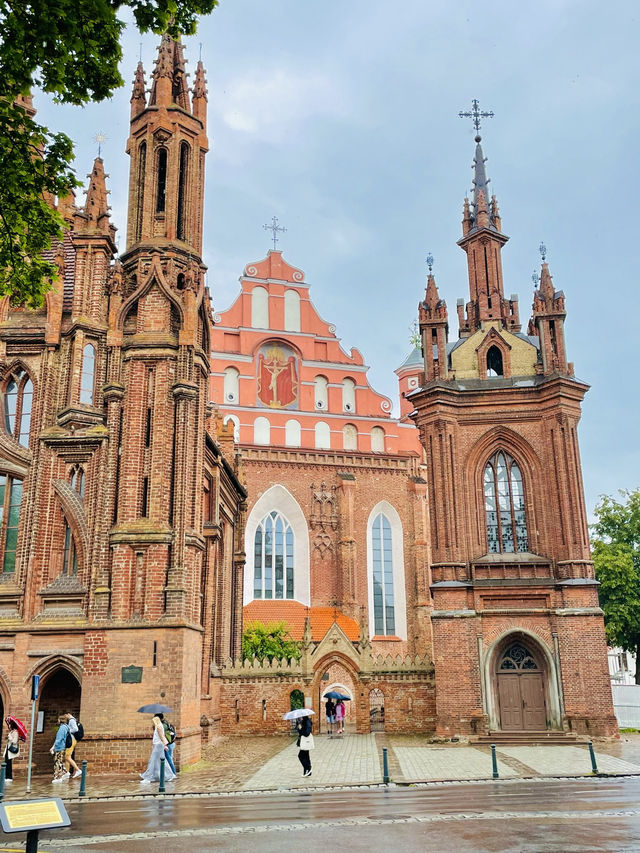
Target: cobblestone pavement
259	763
565	760
346	760
422	763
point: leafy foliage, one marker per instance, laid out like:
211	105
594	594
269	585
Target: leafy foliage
616	555
71	49
269	642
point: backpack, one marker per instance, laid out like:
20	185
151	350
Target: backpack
68	741
169	731
80	733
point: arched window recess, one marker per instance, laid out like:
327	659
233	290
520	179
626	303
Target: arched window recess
273	558
504	505
18	400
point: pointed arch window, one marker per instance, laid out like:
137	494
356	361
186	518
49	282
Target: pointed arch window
382	565
70	558
273	558
18	399
504	506
161	190
77	480
10	500
494	362
182	190
87	374
142	170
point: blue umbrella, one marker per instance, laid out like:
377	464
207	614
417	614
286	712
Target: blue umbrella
154	709
335	695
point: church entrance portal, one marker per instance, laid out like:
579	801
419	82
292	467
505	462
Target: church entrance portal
521	690
60	693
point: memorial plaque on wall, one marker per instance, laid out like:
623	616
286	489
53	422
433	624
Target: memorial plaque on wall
131	674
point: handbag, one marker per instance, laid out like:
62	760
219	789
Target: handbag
306	742
13	748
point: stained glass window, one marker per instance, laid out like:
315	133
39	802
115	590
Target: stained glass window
517	657
273	558
87	374
504	506
383	598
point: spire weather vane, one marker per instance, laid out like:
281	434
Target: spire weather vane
275	228
534	277
476	114
429	261
100	137
543	252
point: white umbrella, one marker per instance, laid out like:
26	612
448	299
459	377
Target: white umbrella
298	712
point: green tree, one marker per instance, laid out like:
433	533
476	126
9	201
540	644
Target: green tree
269	642
71	49
616	556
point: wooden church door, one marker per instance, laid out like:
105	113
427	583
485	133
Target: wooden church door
521	691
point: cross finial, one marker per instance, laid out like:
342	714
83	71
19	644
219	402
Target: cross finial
275	228
543	252
429	260
475	115
100	137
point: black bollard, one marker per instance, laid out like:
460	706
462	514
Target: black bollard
83	780
161	789
385	766
594	766
494	761
3	770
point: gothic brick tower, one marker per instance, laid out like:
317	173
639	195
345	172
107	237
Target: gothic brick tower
121	532
518	636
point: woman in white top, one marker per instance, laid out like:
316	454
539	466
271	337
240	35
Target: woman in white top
11	750
160	744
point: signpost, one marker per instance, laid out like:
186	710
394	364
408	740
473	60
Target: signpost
33	815
35	689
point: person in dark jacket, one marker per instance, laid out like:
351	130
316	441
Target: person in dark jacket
304	730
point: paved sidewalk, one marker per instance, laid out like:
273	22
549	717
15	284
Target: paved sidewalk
466	762
565	760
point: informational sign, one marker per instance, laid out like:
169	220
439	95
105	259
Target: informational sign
24	816
40	725
131	674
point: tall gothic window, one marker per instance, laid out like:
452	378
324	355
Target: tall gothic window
161	189
182	190
10	500
18	398
142	169
70	559
504	505
87	374
77	480
383	599
273	558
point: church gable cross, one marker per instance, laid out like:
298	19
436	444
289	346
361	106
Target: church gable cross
475	115
274	228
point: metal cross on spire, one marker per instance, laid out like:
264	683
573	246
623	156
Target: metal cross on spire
475	115
543	252
275	228
429	260
100	137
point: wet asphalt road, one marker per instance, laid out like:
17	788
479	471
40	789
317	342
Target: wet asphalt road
599	815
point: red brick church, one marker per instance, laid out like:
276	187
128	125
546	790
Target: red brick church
167	474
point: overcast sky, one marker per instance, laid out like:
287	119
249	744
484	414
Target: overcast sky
341	118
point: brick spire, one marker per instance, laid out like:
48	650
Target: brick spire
434	331
169	78
96	209
548	323
199	94
139	95
483	240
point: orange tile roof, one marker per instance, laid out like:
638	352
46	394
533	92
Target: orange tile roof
294	614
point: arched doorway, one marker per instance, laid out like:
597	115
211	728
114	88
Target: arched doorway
376	710
521	689
60	693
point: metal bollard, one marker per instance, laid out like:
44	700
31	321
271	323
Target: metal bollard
83	780
161	789
494	761
385	766
3	770
594	766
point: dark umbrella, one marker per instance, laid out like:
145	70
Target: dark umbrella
154	709
335	695
20	726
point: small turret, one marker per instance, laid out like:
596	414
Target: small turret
199	95
96	210
434	332
169	78
547	322
139	93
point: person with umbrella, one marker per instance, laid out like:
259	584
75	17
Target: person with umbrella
305	738
159	748
17	732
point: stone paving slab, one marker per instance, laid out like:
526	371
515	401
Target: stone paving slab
565	760
463	762
334	761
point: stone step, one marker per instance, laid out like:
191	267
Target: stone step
515	738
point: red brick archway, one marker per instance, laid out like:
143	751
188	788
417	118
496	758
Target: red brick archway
60	692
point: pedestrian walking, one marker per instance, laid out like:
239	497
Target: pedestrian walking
11	750
170	735
305	743
330	711
158	751
68	753
340	715
58	750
